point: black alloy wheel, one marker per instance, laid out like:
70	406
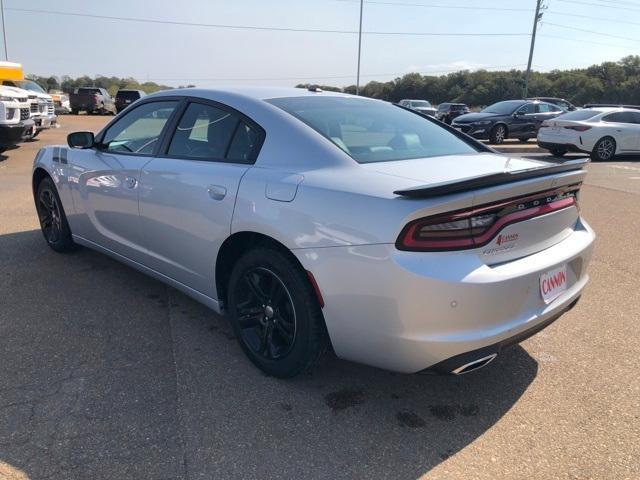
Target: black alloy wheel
275	312
266	314
53	221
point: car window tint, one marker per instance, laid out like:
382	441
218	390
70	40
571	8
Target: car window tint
636	117
527	109
579	115
619	117
546	108
372	131
139	130
243	144
204	132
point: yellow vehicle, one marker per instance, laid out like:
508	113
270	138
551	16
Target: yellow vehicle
11	71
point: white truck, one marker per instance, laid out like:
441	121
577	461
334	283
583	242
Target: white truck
42	108
16	124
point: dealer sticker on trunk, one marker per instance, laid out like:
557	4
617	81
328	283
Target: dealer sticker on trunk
553	283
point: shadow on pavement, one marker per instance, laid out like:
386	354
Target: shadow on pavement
105	373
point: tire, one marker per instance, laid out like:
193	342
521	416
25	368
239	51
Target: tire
498	134
558	152
53	221
275	313
75	111
604	150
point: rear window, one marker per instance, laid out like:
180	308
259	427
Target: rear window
128	95
371	131
88	90
579	115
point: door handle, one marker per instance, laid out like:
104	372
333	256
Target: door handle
217	192
130	182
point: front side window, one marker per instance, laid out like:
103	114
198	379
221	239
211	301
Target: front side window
139	130
373	131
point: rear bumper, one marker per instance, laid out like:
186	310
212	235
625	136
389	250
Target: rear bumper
569	147
413	311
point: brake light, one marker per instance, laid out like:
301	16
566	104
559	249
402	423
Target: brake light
477	226
578	128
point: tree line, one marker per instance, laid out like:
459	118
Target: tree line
608	82
111	84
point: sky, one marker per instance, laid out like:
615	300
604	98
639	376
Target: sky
48	43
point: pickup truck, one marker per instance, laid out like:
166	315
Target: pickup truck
15	122
92	100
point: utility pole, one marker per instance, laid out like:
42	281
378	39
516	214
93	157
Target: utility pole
536	19
359	48
4	31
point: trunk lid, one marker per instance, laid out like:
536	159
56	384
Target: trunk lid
508	188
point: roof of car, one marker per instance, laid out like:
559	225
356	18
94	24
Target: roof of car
257	93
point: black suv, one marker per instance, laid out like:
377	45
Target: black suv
124	98
519	119
448	111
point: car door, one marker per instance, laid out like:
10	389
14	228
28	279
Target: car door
188	192
523	123
106	179
622	127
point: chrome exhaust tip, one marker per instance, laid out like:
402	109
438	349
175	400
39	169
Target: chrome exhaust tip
474	365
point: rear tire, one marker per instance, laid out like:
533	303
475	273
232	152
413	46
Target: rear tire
275	313
498	134
604	150
53	221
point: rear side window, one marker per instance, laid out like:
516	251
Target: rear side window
527	109
206	132
620	117
373	131
547	107
579	115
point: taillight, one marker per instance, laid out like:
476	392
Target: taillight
578	128
477	226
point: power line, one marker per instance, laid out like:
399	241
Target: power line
591	31
578	2
455	7
575	15
329	77
252	27
547	35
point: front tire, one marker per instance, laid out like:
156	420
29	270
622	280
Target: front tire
53	221
498	134
558	152
604	150
275	314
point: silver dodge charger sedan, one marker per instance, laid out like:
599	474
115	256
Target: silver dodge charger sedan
315	220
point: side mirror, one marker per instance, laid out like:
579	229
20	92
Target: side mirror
81	140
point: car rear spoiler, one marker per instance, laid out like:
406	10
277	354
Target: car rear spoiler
490	180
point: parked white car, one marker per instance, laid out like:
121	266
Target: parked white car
317	218
602	132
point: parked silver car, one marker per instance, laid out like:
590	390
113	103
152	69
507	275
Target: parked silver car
422	106
314	219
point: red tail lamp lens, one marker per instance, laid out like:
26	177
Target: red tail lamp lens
476	227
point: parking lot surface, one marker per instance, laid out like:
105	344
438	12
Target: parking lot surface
108	374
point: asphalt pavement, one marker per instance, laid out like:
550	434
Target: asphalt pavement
108	374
